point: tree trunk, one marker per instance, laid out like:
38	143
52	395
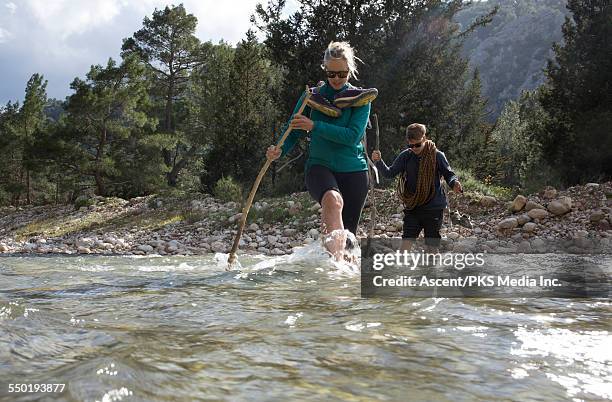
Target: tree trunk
28	196
100	189
172	176
166	153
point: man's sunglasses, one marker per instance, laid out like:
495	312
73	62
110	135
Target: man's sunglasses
415	145
334	74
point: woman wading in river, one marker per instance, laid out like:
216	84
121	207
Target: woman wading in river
335	118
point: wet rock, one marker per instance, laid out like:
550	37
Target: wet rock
145	248
539	245
508	223
85	242
217	247
518	203
524	247
3	248
538	213
314	233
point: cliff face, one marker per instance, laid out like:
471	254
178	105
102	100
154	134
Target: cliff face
511	52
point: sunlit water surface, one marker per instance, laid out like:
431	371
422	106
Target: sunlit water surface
284	328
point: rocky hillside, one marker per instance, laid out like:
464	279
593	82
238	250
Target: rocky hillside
577	219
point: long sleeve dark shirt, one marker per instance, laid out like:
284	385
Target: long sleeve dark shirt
408	162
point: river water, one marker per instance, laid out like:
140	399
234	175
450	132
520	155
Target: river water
285	328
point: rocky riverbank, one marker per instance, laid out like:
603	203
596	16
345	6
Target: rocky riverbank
577	219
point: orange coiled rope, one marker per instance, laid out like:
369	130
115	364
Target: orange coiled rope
425	189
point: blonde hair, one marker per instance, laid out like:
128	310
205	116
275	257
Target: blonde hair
344	51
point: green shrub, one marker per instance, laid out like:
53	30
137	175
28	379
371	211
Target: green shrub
226	189
83	201
471	184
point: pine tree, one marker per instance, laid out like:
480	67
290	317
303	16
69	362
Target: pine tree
577	96
170	50
104	110
246	118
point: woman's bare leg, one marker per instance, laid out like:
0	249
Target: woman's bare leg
331	220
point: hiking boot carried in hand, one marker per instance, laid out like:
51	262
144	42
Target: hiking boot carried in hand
355	97
320	103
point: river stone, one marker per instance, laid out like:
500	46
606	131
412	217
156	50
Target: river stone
235	217
295	208
549	192
3	248
453	235
518	203
537	213
145	248
539	245
289	232
523	219
592	185
533	205
597	216
314	233
217	247
529	227
253	227
487	201
557	208
272	239
85	242
508	223
567	201
581	234
524	247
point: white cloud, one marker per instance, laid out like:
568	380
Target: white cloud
4	35
61	18
11	6
63	38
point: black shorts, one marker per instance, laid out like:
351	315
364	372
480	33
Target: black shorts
428	220
353	186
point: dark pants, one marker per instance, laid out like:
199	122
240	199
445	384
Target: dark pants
353	186
428	220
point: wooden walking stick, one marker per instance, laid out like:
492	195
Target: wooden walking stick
373	206
262	172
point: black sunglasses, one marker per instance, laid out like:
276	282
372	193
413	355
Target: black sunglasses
334	74
415	145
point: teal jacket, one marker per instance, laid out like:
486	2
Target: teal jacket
334	142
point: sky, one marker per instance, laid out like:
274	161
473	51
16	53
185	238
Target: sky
61	39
